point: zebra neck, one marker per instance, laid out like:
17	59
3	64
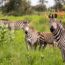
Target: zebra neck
57	35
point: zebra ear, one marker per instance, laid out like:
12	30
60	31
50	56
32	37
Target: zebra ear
55	15
51	16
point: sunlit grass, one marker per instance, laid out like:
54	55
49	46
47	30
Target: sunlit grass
16	53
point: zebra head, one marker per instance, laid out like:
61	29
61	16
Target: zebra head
54	23
25	25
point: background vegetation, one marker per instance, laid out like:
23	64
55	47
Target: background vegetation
13	46
14	52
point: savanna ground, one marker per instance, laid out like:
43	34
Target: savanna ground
15	52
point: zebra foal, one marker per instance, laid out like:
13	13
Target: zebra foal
48	38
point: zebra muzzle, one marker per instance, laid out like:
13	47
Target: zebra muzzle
52	29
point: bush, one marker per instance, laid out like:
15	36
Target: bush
6	36
17	7
39	8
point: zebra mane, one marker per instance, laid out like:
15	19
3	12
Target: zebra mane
60	24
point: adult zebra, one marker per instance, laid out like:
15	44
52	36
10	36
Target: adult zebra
58	31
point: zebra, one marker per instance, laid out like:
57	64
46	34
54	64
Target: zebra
48	38
9	24
34	38
58	32
31	35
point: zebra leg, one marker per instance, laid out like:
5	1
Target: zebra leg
27	44
45	44
42	45
31	46
55	44
63	54
35	45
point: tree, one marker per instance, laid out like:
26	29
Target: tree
58	5
17	7
6	36
61	1
41	1
41	6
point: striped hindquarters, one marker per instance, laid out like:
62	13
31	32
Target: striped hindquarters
47	36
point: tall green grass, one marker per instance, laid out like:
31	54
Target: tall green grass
15	53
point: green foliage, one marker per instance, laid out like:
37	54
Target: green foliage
41	1
14	52
58	5
6	36
17	7
40	7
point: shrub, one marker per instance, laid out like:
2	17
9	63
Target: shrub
6	36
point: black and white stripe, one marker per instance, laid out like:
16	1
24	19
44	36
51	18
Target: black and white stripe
59	34
34	38
48	38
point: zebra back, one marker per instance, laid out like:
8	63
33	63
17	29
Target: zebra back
47	37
